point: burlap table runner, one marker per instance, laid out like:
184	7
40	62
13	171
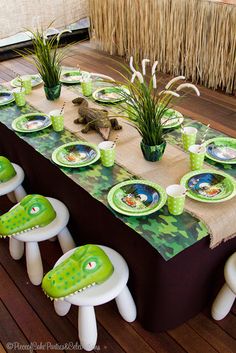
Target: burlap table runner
219	218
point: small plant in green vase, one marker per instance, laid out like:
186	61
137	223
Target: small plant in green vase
147	108
47	57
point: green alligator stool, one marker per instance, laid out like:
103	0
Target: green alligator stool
11	178
7	170
96	275
36	218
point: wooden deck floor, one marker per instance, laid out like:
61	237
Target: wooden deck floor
27	317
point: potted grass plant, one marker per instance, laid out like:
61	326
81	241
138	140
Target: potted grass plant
147	108
47	57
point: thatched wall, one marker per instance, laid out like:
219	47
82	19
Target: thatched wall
196	38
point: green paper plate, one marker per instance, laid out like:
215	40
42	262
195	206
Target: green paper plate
221	150
207	185
6	97
136	197
35	80
76	154
72	76
173	118
31	122
109	94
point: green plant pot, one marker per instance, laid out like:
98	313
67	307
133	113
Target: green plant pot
153	153
52	93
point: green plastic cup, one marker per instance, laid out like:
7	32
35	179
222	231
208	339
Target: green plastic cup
197	155
107	152
27	84
189	137
57	120
19	95
175	199
87	88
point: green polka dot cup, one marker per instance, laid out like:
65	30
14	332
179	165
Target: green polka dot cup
175	199
27	84
189	137
197	155
57	120
19	95
107	152
87	88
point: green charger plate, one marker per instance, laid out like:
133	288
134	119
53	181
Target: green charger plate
72	76
207	185
173	119
136	197
6	97
31	122
76	154
221	150
109	94
35	80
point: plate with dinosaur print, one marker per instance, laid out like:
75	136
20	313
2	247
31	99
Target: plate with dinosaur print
207	185
76	154
6	97
72	76
31	122
221	150
35	80
136	197
109	94
172	118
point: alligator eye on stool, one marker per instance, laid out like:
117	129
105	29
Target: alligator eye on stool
35	218
88	276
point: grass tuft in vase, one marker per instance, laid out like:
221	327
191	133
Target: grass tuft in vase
47	57
147	108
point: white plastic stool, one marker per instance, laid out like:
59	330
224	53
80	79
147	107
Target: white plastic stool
226	296
13	188
113	288
58	227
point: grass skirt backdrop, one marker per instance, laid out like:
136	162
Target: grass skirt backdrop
195	38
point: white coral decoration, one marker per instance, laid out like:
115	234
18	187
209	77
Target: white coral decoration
131	60
138	75
172	93
144	61
175	79
154	80
188	85
63	31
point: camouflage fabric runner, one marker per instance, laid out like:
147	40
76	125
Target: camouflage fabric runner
168	234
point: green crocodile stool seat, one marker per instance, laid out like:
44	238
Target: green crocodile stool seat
11	185
114	287
31	237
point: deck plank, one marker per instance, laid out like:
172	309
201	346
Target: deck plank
11	343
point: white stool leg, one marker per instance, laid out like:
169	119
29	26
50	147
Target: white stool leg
66	241
61	307
53	239
19	193
87	327
126	305
34	263
222	303
16	248
11	197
